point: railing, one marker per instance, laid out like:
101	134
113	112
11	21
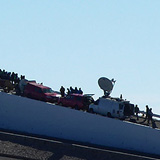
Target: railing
154	115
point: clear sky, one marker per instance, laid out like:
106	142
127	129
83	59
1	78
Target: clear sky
75	42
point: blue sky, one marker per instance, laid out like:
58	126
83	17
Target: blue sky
75	42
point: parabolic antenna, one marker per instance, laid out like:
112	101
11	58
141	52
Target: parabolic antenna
105	84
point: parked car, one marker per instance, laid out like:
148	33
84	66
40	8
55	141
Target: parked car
40	92
77	101
117	108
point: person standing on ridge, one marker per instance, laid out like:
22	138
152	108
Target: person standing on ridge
147	112
150	114
137	111
22	84
62	90
68	91
80	91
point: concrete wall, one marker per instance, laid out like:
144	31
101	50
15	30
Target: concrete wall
27	115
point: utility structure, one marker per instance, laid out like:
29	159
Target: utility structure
106	85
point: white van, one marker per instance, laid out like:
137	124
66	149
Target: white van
112	107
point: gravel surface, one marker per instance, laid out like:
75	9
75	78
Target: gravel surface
19	151
25	148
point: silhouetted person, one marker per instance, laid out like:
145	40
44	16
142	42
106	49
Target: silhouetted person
68	91
16	78
80	91
150	114
72	90
76	90
22	84
62	90
147	112
136	111
12	77
3	74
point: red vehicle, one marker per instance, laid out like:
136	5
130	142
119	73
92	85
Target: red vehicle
77	101
40	92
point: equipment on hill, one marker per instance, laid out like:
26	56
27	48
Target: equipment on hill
106	85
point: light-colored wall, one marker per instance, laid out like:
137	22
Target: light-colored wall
27	115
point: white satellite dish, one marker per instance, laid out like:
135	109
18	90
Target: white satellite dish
106	85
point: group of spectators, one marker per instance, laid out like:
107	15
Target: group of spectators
18	83
12	79
11	76
148	116
70	91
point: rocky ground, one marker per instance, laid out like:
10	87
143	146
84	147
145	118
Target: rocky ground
14	148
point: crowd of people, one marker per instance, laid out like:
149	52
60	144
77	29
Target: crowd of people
70	91
11	81
18	83
11	76
148	116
